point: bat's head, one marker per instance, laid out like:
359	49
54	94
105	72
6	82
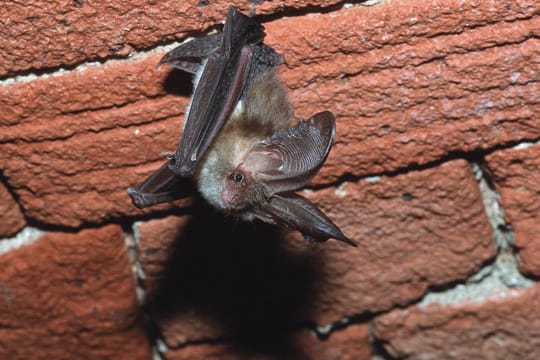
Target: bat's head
283	162
240	191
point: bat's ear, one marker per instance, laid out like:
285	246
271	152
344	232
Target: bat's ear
288	159
297	213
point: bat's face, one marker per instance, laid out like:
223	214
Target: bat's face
236	189
239	191
226	177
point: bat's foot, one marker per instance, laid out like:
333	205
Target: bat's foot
172	162
184	170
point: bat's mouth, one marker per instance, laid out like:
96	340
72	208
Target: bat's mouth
230	201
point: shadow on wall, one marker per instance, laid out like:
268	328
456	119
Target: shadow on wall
178	82
242	282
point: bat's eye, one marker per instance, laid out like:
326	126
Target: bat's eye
238	177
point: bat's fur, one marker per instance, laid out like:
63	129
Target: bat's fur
263	110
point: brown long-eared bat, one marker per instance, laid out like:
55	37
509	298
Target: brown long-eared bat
238	145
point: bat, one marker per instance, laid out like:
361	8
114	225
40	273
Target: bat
238	146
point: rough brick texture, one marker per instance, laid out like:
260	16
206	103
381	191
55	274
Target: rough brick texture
47	164
347	344
70	296
384	71
438	233
505	327
62	33
516	174
421	89
11	217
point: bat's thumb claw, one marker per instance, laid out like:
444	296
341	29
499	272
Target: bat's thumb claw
314	240
347	241
168	155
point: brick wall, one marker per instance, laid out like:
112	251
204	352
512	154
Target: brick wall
435	174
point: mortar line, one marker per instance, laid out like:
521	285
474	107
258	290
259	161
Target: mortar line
525	144
61	70
29	75
155	339
26	236
492	280
498	278
504	239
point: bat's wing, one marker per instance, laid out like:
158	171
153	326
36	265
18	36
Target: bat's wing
290	158
189	55
228	58
162	186
297	213
218	90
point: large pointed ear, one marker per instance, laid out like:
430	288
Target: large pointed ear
288	159
161	186
297	213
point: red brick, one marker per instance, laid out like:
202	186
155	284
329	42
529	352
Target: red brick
411	82
383	70
53	164
105	97
516	174
504	327
70	296
156	241
11	218
53	33
351	343
421	229
346	344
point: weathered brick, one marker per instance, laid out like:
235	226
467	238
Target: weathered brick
70	296
504	327
11	217
416	230
96	134
410	83
516	174
53	33
82	179
351	343
156	240
95	99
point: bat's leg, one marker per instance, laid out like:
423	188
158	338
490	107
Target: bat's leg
160	187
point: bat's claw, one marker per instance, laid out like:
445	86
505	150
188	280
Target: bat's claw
168	155
136	198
